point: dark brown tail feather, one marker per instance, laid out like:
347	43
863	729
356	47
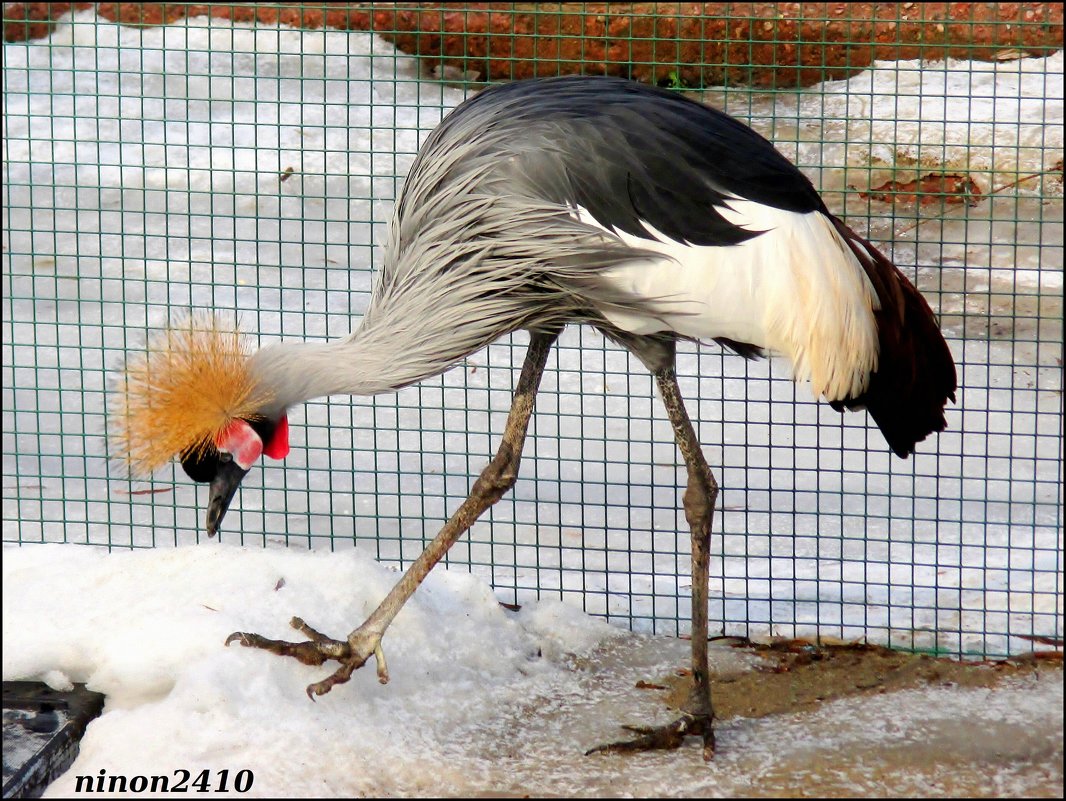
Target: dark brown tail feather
915	376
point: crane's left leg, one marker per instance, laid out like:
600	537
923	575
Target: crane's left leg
697	714
495	480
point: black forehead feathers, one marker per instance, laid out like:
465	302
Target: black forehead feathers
201	466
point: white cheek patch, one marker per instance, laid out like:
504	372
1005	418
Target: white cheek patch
242	443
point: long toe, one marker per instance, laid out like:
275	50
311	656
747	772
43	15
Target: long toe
310	653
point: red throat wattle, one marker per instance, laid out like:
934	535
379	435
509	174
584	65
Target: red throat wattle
278	447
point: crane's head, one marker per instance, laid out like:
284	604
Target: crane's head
193	395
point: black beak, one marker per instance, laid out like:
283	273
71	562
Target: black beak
223	487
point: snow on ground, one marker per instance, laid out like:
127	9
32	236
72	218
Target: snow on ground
482	701
147	171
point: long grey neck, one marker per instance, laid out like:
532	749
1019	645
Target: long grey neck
365	363
438	300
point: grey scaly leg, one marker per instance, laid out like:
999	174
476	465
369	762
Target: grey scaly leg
697	714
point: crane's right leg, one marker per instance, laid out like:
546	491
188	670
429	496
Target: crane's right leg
495	480
697	714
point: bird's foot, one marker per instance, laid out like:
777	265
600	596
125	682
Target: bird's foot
351	653
671	735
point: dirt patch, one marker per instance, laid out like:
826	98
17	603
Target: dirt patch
772	45
796	675
929	189
795	720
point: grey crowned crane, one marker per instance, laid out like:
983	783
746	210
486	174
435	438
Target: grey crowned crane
535	205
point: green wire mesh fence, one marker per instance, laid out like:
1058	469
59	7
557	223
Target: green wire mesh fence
244	158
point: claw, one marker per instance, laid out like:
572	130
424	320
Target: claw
339	676
670	736
383	669
352	654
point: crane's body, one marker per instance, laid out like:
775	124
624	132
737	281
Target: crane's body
544	203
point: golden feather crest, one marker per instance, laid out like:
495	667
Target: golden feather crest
192	381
